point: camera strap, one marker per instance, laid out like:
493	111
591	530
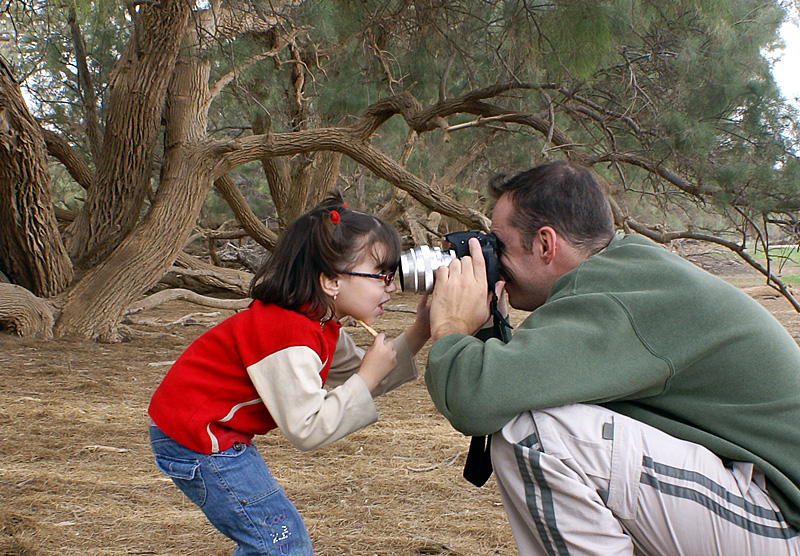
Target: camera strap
478	467
501	328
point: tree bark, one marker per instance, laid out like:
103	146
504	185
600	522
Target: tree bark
95	306
31	251
24	314
138	88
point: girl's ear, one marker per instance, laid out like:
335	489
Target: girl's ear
329	285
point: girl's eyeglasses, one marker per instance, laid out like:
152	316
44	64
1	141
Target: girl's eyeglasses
387	277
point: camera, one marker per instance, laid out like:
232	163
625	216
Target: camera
417	265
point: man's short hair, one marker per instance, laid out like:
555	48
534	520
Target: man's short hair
562	195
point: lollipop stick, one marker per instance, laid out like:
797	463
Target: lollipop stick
367	327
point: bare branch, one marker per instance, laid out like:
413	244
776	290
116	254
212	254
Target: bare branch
653	168
445	74
166	296
630	122
551	115
445	183
249	221
60	149
86	88
479	122
223	81
664	238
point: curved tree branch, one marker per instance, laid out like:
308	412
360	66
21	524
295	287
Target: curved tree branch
223	81
165	296
60	149
652	167
229	154
772	281
353	141
249	221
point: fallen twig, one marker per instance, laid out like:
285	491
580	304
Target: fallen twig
101	448
447	461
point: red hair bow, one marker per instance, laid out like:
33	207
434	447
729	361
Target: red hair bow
335	218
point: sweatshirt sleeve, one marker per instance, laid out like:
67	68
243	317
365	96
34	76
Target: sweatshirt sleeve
310	417
347	360
567	351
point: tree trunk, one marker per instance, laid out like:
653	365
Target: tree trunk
138	87
95	306
31	252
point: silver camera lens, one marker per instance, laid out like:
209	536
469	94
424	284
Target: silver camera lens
417	266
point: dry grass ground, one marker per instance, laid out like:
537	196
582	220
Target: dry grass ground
77	478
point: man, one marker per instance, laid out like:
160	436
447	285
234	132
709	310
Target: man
644	406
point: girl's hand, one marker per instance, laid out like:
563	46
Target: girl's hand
420	331
378	362
423	313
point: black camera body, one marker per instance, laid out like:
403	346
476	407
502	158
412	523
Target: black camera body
460	243
417	265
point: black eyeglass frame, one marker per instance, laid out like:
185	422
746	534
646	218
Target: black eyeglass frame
387	277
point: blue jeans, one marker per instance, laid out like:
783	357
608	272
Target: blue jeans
238	495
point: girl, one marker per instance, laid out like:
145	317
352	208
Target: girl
265	368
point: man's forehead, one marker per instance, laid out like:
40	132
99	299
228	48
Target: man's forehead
500	215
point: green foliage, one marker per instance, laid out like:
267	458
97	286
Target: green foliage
682	84
42	55
582	37
65	192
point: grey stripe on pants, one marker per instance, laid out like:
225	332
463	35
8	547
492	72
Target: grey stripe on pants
583	480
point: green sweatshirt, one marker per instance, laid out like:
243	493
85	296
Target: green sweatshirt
645	333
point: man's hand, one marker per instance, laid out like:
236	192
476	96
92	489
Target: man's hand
460	301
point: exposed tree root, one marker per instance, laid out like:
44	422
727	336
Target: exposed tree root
186	295
24	314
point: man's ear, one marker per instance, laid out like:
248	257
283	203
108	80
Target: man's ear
329	285
548	241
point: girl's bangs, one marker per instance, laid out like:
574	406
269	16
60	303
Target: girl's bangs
385	247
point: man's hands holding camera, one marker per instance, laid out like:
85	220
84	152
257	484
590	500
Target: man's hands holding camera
456	306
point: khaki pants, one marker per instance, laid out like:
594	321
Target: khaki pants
583	480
